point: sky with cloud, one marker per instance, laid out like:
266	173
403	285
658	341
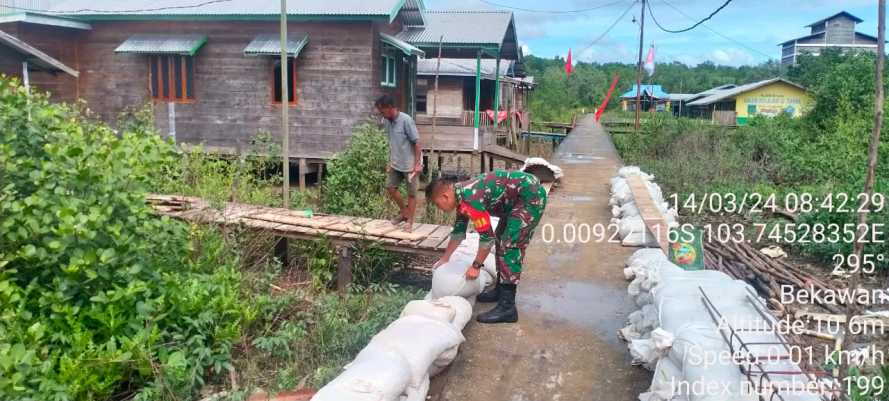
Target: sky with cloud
744	32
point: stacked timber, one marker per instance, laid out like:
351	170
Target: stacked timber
767	275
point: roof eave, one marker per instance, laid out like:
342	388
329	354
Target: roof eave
24	48
227	17
42	19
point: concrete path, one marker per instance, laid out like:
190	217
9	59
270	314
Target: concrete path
572	300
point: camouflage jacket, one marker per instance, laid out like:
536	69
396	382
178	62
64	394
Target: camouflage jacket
493	193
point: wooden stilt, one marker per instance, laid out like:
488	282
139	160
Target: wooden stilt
281	251
320	171
302	174
344	268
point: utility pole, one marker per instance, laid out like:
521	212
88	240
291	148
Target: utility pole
872	157
285	105
435	105
281	246
639	66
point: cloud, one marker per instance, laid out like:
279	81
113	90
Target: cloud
731	56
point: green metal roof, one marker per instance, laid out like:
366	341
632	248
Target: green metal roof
270	44
407	48
186	45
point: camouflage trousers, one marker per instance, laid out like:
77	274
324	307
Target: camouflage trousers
514	232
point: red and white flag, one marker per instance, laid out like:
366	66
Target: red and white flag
649	61
568	67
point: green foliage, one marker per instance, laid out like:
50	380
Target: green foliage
308	337
821	153
355	178
557	96
98	296
370	263
253	177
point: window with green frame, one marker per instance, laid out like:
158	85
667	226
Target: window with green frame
387	71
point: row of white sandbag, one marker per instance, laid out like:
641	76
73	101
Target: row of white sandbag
673	334
399	361
625	214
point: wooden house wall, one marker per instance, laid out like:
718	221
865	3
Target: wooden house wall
58	43
840	30
338	78
233	94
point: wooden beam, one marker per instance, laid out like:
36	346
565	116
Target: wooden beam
302	174
344	268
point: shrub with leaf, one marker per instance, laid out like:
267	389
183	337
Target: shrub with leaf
99	298
355	179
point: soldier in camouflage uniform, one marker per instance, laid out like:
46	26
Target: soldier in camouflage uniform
518	200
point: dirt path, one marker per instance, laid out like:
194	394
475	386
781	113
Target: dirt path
572	300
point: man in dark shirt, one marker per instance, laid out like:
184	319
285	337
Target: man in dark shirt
405	158
518	200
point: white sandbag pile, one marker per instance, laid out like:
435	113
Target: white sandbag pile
542	169
625	214
399	361
673	334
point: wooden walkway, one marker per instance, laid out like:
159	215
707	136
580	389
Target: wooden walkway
425	239
649	212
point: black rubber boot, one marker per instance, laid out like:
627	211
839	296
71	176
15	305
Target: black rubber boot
505	311
492	295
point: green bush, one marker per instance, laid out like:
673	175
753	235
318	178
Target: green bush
98	297
355	178
249	178
308	337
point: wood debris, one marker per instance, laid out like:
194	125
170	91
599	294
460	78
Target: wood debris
765	274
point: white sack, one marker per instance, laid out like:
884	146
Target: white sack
376	374
440	311
643	353
462	310
417	393
539	161
420	341
665	375
450	279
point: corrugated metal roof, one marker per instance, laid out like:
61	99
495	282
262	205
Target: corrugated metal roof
460	27
680	96
801	38
841	13
405	47
48	20
184	44
457	67
737	90
270	44
33	55
111	8
655	91
412	12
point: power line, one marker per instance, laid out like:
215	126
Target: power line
531	10
651	13
717	33
602	36
90	10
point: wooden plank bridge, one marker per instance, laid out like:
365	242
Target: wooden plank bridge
424	239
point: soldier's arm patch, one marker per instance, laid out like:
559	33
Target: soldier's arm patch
480	219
